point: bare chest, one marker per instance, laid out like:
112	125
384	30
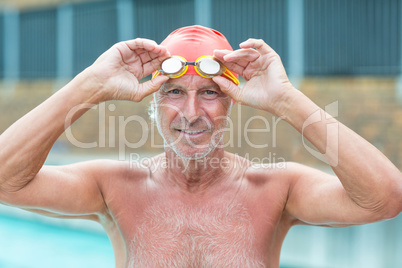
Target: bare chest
184	236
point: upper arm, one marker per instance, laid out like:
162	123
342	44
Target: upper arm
65	191
316	197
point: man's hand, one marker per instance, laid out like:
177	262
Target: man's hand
369	187
117	71
267	83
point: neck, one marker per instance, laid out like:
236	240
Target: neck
200	174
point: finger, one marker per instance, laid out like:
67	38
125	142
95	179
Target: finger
237	67
220	53
247	53
243	63
234	67
151	86
152	65
130	51
161	51
240	57
142	44
150	53
258	44
228	87
146	57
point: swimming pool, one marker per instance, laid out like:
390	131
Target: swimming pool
31	241
28	241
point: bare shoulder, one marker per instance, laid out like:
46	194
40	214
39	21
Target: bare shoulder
99	169
118	171
261	174
105	173
120	181
289	172
269	187
281	179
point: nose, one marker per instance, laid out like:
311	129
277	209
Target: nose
191	108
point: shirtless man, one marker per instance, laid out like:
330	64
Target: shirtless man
193	212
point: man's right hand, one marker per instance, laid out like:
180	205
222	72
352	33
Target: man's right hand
116	73
25	183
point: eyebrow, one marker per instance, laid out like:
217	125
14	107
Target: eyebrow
214	86
168	86
171	85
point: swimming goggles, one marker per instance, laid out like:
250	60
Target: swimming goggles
205	66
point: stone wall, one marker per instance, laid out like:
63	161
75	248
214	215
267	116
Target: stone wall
367	105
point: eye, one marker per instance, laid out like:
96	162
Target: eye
210	92
174	91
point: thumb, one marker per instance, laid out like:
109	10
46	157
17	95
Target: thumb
153	85
228	87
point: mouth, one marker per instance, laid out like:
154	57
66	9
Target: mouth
191	133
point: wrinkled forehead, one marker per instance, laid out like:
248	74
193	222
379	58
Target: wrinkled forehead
174	85
189	83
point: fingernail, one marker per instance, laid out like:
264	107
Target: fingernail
243	43
227	57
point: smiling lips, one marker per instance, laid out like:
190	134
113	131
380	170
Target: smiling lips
191	132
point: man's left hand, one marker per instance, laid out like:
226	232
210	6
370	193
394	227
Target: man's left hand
267	84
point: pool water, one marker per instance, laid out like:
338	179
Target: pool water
26	243
28	240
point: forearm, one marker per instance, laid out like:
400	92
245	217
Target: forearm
370	179
26	144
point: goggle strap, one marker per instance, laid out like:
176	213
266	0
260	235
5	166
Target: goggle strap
229	75
155	74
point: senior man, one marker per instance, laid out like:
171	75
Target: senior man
188	212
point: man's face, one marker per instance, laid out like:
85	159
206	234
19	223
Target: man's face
191	114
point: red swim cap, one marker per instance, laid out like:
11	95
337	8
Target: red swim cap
195	41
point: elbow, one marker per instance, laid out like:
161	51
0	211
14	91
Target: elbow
392	211
394	198
396	209
386	201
